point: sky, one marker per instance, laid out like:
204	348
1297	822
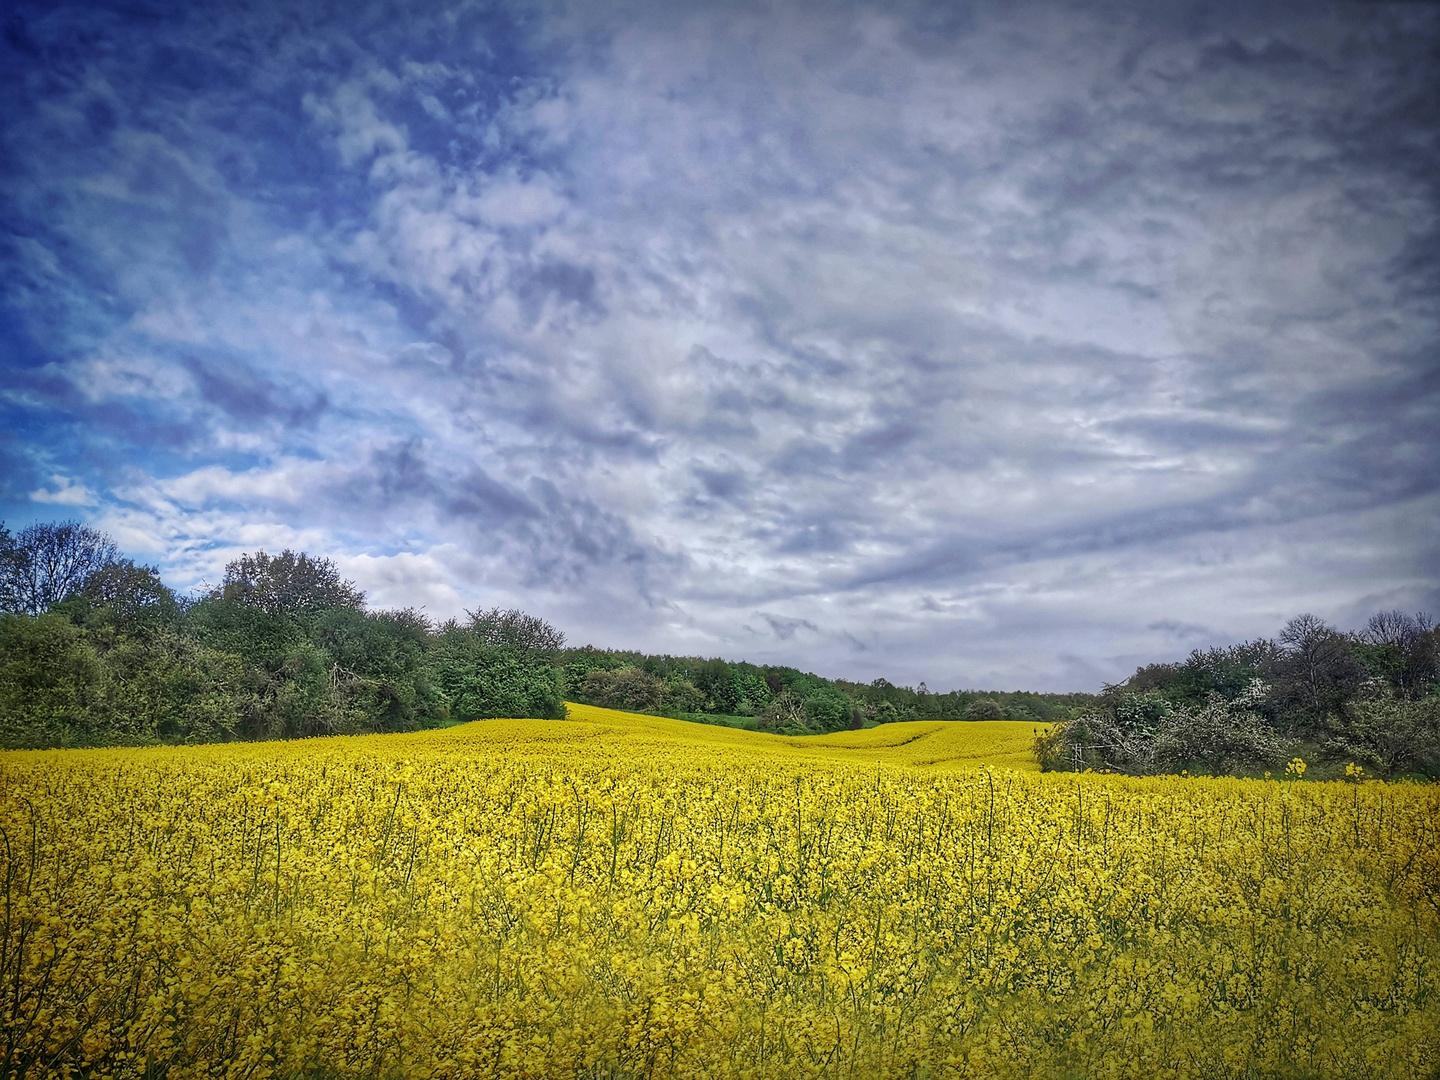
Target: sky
1004	345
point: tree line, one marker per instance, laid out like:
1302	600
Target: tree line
1348	703
784	699
95	649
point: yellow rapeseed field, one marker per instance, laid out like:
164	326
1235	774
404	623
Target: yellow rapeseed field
625	896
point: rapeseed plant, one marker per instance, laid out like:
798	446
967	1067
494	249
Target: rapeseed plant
626	896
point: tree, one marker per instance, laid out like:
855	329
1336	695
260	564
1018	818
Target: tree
1147	735
1396	629
884	712
1218	737
1316	670
984	709
497	666
627	688
513	629
128	595
785	710
827	709
50	682
291	583
1142	714
478	681
47	563
1396	735
378	668
682	695
1402	649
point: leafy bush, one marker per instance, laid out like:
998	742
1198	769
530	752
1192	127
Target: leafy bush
58	689
785	712
628	688
1217	738
984	709
1142	733
827	710
1394	735
480	681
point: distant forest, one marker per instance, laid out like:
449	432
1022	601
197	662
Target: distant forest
96	650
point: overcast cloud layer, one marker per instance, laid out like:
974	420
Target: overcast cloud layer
1000	345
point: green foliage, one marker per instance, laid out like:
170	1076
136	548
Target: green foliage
477	680
1143	733
884	712
291	583
513	629
883	702
130	597
50	682
1393	736
827	709
637	690
683	696
576	665
1217	738
283	648
785	713
1142	715
1371	698
777	696
380	667
984	709
625	688
62	684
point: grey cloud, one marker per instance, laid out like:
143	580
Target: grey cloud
950	560
804	457
107	423
482	499
563	283
1181	630
861	451
785	628
243	394
814	538
1169	432
576	538
720	483
396	474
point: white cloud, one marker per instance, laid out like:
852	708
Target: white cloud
512	202
64	492
360	131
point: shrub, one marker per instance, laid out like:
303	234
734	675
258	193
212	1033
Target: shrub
1144	734
785	712
985	709
827	710
1396	736
627	688
1217	738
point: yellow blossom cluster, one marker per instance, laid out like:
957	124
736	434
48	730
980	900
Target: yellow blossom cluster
616	896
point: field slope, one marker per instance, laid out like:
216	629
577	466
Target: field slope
628	896
939	743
